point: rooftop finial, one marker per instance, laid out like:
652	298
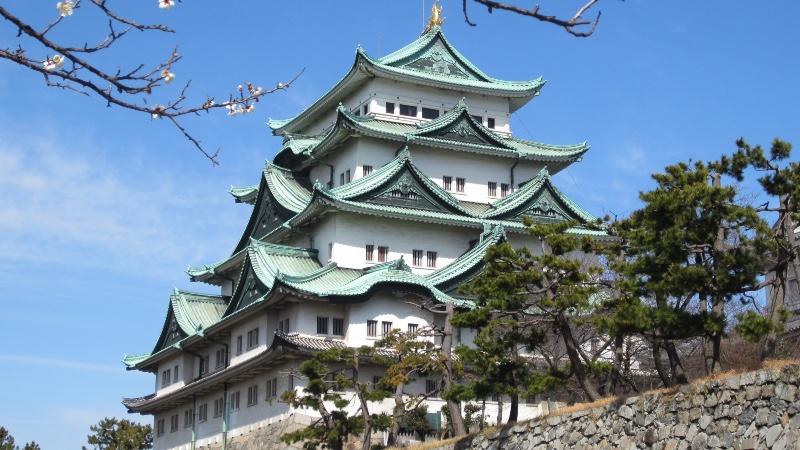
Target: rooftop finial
436	17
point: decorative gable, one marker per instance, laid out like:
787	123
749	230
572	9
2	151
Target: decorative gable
266	216
437	58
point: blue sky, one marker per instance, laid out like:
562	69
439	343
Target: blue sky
102	209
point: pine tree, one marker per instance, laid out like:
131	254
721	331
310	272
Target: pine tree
113	434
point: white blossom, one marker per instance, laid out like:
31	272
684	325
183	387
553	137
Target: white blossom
54	63
158	110
65	8
233	109
166	4
250	108
168	76
280	85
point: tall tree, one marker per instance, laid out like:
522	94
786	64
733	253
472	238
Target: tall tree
113	434
7	442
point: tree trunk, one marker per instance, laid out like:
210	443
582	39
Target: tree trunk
786	256
663	372
367	438
513	408
675	363
397	415
578	367
616	366
456	418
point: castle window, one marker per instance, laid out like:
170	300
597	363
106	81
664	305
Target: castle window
165	378
386	328
365	109
460	183
219	405
283	326
383	254
338	326
389	108
417	257
372	328
490	122
160	427
428	113
272	388
505	188
239	345
431	386
205	364
432	260
408	110
188	418
173	423
366	170
447	183
492	189
341	178
252	395
252	338
219	358
322	325
412	328
347	176
235	401
478	119
370	253
202	413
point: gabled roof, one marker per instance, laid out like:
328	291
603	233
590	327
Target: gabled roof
430	60
538	198
455	130
467	265
188	314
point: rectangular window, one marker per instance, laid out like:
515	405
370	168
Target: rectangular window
219	358
416	258
175	374
386	327
370	255
447	183
492	189
188	418
341	178
432	259
408	110
291	382
322	325
383	254
495	397
347	176
460	183
219	405
173	423
202	413
252	338
252	395
272	388
478	119
428	113
365	109
330	251
372	328
490	122
160	427
366	170
338	326
412	328
505	189
165	378
431	386
235	401
389	108
239	345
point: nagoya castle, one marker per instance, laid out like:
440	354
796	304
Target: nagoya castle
385	193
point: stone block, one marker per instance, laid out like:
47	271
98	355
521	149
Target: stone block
772	435
704	421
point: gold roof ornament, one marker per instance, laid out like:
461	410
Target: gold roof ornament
436	17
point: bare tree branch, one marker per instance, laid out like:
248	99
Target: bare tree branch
568	25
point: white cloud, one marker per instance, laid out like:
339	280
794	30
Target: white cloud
60	363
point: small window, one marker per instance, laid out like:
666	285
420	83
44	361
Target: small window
165	378
408	110
460	183
372	328
417	257
219	405
273	391
347	176
219	358
341	178
389	108
447	183
173	423
322	325
370	253
252	338
366	170
383	254
330	251
160	427
202	413
175	374
432	260
495	397
386	328
235	397
490	122
431	386
239	345
252	395
428	113
478	119
505	188
188	418
205	364
492	189
365	109
412	328
338	326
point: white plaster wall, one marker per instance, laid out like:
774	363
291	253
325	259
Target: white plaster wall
309	310
241	328
184	363
384	306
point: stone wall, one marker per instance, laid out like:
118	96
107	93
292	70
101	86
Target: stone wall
755	410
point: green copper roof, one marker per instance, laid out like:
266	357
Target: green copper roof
456	130
244	194
430	60
132	360
468	261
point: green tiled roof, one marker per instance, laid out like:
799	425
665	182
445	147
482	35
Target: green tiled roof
419	62
468	260
132	360
244	194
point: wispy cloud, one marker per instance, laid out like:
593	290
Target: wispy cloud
60	363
